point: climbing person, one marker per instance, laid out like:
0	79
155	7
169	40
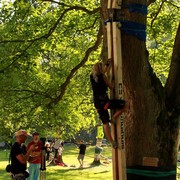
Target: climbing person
102	103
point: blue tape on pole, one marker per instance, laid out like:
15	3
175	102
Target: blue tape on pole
134	28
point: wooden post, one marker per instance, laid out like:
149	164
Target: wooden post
115	53
110	56
120	132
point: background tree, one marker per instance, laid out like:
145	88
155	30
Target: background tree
44	44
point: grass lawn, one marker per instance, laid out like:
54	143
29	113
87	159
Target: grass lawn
104	171
70	173
178	168
178	171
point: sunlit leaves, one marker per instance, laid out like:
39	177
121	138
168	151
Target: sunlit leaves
42	43
163	19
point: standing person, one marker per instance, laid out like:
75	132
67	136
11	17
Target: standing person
34	165
48	150
57	144
19	156
102	103
82	150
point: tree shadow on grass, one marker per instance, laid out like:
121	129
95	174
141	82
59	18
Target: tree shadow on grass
81	169
74	173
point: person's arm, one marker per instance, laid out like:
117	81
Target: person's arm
24	158
109	85
35	157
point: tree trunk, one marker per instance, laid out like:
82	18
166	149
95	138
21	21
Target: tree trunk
152	122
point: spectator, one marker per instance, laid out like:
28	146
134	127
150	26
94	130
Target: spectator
34	165
48	150
82	150
56	147
20	156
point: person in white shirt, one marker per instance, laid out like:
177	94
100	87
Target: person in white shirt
56	147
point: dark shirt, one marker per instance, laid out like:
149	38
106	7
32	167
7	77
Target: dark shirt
99	88
82	148
17	166
99	91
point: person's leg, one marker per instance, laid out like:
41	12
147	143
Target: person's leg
107	132
104	116
119	105
47	155
36	171
55	153
31	172
117	113
82	158
81	163
79	159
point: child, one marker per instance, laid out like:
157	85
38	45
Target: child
82	150
102	102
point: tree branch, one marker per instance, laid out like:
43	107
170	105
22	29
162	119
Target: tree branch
45	36
176	6
63	87
75	7
16	57
52	29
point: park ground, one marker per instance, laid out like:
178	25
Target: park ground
72	171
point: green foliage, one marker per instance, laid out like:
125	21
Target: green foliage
162	24
42	43
43	83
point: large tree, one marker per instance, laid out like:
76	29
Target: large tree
44	44
152	125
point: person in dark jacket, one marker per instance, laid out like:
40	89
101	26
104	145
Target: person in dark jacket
102	103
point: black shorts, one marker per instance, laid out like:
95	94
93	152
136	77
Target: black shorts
102	108
103	115
81	157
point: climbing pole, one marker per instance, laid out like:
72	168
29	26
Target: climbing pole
115	55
